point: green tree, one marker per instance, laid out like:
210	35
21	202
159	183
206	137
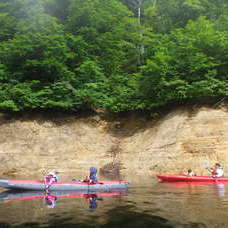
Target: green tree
188	64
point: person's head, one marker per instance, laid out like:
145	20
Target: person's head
217	165
52	173
189	170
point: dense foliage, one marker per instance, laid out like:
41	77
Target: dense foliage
117	55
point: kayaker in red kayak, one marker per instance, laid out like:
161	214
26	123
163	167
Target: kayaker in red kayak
190	173
217	171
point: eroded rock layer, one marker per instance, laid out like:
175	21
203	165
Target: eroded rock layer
184	138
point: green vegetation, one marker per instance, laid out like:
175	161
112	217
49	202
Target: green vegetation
118	55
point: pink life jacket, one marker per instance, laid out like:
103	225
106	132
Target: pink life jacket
49	179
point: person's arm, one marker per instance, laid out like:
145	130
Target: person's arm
209	169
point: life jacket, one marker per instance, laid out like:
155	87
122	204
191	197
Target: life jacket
49	180
214	172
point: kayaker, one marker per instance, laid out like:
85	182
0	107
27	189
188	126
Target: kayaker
93	175
49	179
190	173
86	179
217	171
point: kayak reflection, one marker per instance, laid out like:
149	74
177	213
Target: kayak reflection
51	197
219	188
50	200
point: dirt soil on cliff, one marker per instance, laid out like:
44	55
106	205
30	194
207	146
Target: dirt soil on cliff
32	144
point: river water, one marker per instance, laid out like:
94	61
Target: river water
146	204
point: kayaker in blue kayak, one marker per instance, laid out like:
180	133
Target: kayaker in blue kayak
92	178
93	175
50	178
217	171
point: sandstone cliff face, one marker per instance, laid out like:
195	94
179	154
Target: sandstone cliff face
131	146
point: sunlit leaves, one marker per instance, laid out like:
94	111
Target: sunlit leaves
188	63
89	54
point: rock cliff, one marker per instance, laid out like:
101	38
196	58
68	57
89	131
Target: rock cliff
31	144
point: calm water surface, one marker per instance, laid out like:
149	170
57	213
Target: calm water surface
148	204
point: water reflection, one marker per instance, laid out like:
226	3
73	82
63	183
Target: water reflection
92	199
147	204
50	197
196	187
220	188
50	200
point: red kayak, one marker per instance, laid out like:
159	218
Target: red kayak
185	178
